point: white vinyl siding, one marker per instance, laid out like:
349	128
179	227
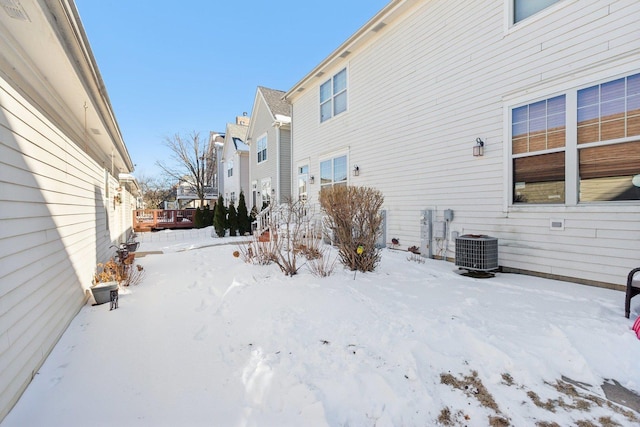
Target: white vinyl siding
451	83
58	220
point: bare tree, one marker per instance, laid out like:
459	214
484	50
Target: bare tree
190	156
154	191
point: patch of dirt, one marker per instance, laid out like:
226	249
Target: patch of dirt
572	396
472	386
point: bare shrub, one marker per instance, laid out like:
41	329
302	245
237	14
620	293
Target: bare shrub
322	266
289	237
258	252
354	219
287	227
135	275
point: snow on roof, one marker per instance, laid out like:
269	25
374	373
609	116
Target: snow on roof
240	145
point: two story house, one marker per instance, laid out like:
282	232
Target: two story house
66	191
269	140
235	160
514	119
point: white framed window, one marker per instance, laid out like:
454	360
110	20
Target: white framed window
230	168
538	139
333	96
333	171
522	9
579	147
261	147
303	182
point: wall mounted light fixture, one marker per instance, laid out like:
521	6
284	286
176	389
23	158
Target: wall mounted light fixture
312	179
478	149
356	170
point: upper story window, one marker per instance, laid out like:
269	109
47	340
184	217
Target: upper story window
523	9
230	168
593	158
262	149
333	96
333	171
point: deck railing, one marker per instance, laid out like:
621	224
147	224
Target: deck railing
158	219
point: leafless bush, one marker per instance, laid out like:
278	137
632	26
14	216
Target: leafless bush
288	227
258	252
323	265
134	276
354	219
309	244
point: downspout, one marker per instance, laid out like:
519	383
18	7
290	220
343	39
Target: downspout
278	162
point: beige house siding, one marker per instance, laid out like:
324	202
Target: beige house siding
58	212
439	75
277	167
284	190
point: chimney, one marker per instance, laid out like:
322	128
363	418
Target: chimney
243	120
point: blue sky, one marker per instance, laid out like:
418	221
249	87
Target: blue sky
177	67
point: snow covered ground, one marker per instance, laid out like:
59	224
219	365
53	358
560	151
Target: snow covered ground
207	340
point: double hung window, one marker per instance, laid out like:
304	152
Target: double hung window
230	168
333	96
261	147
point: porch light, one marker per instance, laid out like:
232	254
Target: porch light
356	170
478	149
312	179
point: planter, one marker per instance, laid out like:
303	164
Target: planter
102	291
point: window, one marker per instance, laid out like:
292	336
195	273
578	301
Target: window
597	156
303	177
333	172
230	168
265	185
608	140
523	9
537	144
333	96
262	149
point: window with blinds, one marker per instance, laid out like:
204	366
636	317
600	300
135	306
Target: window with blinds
606	137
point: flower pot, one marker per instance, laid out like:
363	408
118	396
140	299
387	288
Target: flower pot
102	291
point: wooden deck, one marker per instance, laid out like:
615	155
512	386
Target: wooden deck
161	219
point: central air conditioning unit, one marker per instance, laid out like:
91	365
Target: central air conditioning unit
477	252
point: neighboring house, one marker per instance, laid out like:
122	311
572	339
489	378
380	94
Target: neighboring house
207	165
269	139
66	192
235	160
548	93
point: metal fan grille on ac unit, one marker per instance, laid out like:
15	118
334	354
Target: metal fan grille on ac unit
477	252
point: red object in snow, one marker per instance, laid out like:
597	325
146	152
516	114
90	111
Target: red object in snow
636	327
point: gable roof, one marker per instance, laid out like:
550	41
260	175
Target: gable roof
275	101
237	134
277	106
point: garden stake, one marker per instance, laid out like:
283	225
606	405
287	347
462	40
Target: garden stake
359	251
